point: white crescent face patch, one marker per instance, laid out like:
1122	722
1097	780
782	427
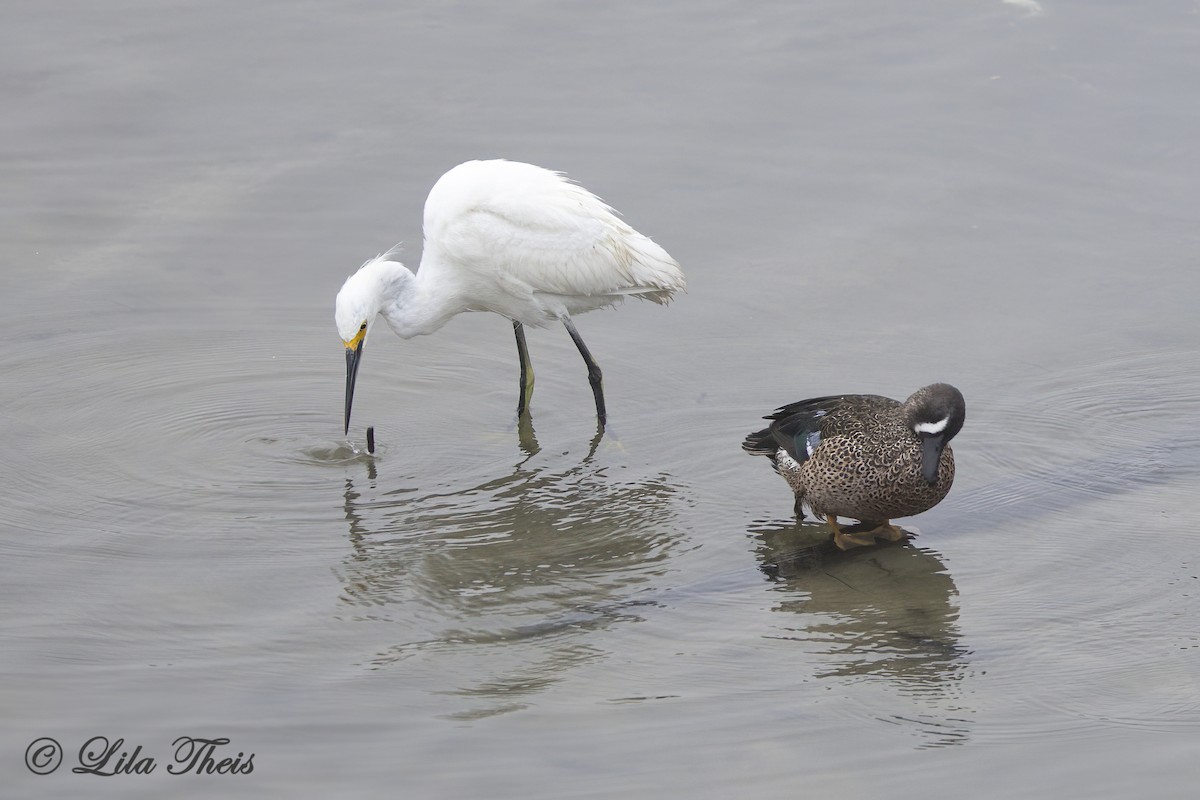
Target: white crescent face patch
932	427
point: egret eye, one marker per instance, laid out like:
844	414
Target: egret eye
362	327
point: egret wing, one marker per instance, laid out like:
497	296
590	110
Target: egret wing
536	231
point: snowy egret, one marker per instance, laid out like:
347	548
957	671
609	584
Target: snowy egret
864	456
514	239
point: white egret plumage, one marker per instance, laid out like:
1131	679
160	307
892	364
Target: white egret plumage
515	239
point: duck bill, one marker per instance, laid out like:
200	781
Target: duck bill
931	457
353	357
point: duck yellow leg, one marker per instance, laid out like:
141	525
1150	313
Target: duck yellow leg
845	540
886	530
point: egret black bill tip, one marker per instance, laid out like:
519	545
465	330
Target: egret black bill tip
353	357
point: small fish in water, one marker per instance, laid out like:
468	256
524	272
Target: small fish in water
371	440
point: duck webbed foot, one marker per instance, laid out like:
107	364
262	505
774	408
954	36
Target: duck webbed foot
864	533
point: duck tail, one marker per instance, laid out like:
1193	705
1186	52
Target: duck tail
761	443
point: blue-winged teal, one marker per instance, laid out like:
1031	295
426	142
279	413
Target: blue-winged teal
866	457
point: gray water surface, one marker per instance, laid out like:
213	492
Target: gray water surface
865	198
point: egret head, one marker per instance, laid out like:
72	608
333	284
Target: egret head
357	305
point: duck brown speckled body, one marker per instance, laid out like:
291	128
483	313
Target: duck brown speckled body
864	456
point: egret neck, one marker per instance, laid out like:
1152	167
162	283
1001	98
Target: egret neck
413	307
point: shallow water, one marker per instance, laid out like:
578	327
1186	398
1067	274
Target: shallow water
998	195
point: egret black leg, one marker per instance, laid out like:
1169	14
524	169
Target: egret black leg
594	375
526	394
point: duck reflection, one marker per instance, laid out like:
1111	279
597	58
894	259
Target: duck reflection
504	583
887	612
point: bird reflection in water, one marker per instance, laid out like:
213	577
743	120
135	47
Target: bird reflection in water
888	613
500	587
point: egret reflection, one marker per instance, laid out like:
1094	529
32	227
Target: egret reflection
504	583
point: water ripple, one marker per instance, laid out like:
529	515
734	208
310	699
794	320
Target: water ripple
1089	431
156	421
